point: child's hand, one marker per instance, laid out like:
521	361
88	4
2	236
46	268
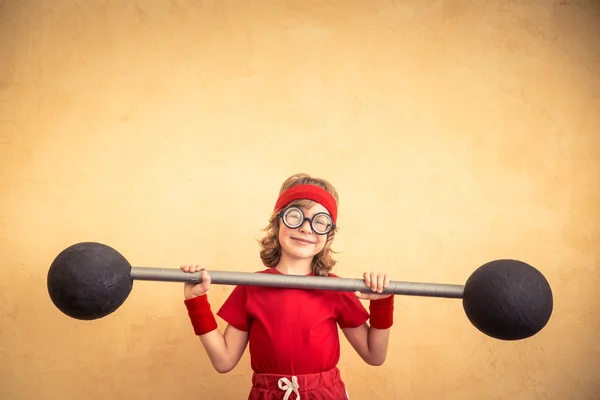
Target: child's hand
377	281
191	289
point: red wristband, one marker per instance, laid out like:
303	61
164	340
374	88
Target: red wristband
200	315
382	312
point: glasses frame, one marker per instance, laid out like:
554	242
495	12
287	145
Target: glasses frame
305	218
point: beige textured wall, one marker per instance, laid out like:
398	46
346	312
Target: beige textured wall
457	132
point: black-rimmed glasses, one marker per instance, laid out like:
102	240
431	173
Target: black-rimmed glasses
321	223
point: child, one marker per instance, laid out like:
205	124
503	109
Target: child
292	333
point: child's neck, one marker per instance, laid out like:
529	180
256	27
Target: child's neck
294	266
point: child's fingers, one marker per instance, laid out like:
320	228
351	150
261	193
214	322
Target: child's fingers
192	268
380	280
205	277
374	280
367	278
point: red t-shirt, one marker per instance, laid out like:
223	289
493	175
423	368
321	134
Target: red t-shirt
292	331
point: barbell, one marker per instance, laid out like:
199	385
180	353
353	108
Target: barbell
505	299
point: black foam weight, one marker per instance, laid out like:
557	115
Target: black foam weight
508	300
89	280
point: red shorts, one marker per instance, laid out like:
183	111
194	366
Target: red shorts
322	386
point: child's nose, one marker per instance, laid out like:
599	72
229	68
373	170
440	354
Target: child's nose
306	226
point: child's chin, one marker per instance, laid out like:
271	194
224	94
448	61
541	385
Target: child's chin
303	253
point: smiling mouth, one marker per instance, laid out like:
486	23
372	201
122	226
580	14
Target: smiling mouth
302	240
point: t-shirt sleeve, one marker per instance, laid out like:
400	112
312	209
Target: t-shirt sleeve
350	312
234	309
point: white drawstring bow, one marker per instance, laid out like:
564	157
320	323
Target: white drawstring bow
289	387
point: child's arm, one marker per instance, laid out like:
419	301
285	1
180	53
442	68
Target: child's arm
371	341
225	351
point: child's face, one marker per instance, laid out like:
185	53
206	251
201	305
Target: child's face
302	242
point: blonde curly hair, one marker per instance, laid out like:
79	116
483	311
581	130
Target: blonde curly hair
270	249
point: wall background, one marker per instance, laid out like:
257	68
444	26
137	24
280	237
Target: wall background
456	132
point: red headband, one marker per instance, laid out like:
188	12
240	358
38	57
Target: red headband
310	192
